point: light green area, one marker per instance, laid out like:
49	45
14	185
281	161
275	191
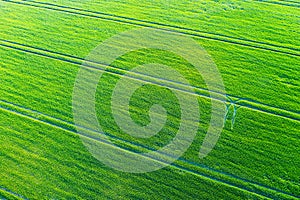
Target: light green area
252	20
40	161
241	67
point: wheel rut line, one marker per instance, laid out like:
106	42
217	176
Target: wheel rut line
281	3
163	24
180	32
80	61
194	172
263	108
12	193
137	73
188	170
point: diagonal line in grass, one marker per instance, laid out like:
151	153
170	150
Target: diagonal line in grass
282	3
15	195
243	102
160	24
75	63
68	126
164	27
256	188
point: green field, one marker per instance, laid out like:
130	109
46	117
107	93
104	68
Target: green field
254	44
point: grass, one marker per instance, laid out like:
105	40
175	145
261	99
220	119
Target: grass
259	155
244	19
45	167
7	195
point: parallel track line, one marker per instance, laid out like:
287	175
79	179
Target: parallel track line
244	102
182	168
18	196
166	25
167	28
70	126
281	3
174	165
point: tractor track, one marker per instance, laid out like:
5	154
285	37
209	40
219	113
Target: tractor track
159	26
191	90
260	189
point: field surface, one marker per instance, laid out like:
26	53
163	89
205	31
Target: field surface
255	46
